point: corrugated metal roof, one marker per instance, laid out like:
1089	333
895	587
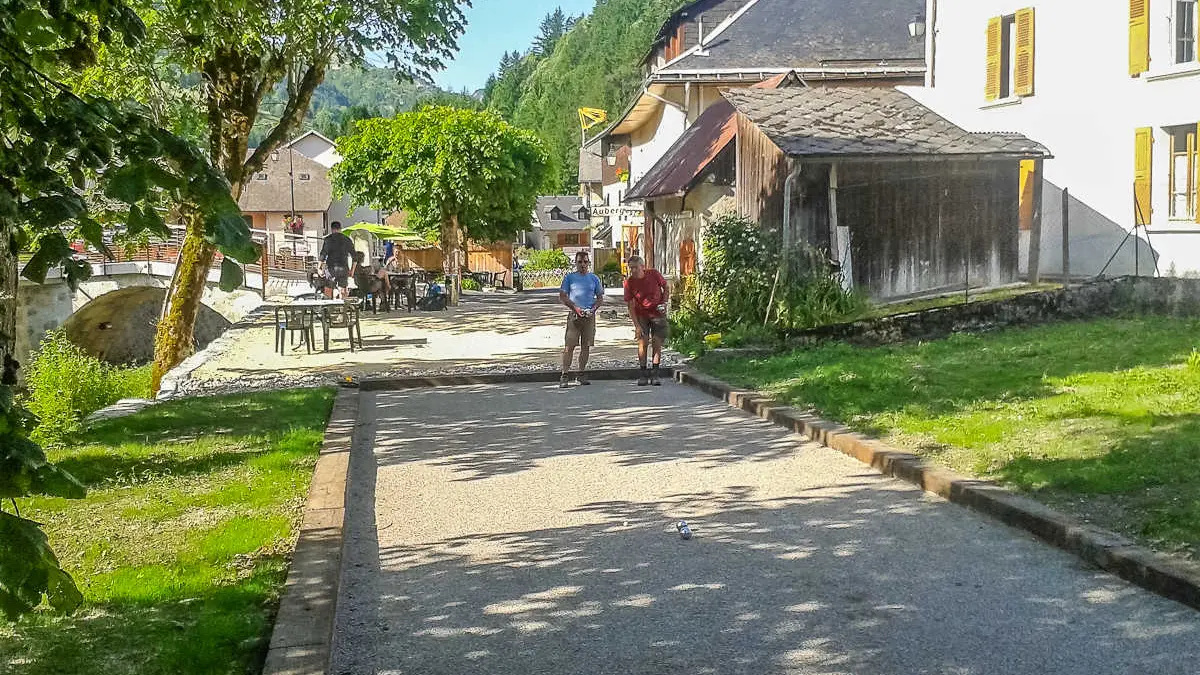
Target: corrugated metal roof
868	122
683	163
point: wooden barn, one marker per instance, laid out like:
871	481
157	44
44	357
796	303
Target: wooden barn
905	202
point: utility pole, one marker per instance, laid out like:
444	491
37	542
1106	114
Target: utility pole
292	182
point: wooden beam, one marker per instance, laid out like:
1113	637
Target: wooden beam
1035	230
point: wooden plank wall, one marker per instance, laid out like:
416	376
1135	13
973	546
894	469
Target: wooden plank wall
922	227
761	171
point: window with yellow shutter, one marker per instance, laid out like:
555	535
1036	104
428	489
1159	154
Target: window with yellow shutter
1185	164
1143	161
1139	36
1010	57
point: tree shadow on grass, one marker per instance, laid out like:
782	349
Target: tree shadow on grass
240	415
95	469
1152	475
223	630
940	377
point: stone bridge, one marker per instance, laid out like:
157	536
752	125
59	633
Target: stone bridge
113	314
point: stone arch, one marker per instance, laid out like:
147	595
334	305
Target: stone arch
118	326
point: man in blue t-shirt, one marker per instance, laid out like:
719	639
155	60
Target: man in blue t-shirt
583	293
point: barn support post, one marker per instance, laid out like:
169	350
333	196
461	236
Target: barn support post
839	235
794	169
1066	237
1035	230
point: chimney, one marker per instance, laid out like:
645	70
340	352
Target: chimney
700	50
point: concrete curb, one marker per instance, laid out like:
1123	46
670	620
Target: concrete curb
302	640
426	381
1175	579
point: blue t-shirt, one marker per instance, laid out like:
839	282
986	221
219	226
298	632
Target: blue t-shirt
582	289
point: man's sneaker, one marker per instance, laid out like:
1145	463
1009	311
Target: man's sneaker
563	383
582	379
642	379
654	377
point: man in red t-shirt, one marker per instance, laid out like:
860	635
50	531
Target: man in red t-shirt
647	294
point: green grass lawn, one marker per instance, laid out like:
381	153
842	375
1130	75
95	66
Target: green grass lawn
181	546
1101	418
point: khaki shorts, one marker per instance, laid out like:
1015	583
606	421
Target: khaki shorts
581	330
655	328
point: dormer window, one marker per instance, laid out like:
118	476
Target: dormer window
555	213
305	176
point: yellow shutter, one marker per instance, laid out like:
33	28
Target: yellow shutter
995	35
1023	69
1028	177
1194	166
1142	174
1139	36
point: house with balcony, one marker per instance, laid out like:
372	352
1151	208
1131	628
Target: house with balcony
1113	92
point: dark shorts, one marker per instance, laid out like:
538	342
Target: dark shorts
340	276
655	327
581	330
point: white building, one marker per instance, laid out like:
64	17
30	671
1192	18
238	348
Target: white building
323	151
1112	88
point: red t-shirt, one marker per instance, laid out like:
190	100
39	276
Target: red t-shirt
646	293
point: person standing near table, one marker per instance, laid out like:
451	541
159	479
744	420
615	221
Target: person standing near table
647	294
336	252
583	293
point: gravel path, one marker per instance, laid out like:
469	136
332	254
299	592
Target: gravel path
529	530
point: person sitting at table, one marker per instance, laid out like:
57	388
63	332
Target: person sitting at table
368	279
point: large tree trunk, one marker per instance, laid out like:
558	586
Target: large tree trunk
8	307
174	340
236	83
452	245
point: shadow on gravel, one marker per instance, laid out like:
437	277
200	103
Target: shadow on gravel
851	576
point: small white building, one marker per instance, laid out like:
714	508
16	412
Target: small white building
323	151
1112	88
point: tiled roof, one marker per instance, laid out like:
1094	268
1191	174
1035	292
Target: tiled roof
568	207
867	122
811	33
274	195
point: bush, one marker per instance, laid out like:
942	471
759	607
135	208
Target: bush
553	259
471	284
66	385
745	293
611	275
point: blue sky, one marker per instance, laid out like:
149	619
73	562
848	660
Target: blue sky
494	27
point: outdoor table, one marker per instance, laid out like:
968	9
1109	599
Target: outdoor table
406	281
315	308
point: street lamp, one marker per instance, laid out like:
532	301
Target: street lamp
916	27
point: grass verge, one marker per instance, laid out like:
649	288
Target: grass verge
181	546
1100	418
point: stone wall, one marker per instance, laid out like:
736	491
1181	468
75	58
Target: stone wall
40	309
1109	297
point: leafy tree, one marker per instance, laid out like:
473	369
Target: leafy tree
71	162
459	174
448	99
241	50
335	123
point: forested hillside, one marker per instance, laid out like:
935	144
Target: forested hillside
592	62
348	94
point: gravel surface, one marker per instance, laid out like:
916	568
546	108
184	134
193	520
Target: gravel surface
486	334
526	529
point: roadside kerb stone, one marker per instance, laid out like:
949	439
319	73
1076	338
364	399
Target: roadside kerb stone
458	380
302	640
1175	579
